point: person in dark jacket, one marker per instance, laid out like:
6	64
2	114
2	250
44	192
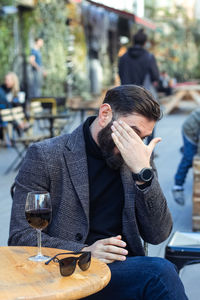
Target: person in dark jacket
137	62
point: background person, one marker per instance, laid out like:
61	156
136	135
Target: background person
105	196
10	96
137	62
36	71
191	137
165	84
9	91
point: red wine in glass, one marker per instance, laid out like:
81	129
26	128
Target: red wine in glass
38	213
38	218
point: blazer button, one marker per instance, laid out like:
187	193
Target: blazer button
79	236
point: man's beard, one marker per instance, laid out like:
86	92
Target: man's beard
107	145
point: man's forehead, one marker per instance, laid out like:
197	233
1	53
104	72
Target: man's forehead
133	118
139	123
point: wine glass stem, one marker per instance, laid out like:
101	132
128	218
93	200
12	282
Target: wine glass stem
39	242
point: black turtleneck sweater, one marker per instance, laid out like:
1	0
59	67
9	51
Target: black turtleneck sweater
106	194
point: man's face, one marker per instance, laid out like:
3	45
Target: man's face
140	124
40	43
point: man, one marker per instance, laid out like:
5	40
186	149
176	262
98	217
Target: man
105	196
165	84
36	72
137	62
138	66
191	134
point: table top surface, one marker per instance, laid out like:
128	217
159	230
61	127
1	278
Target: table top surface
21	278
50	116
192	87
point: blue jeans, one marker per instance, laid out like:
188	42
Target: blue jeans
142	278
189	150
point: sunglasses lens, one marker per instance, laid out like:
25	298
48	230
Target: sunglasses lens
67	266
84	261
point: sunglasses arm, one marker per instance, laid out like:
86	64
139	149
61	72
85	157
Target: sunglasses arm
55	256
48	261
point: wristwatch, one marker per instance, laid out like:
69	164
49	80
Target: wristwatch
145	175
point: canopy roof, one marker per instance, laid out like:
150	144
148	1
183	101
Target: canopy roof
127	15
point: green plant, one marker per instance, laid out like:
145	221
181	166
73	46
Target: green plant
177	41
47	19
6	42
50	23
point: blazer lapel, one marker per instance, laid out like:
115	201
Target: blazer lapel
76	161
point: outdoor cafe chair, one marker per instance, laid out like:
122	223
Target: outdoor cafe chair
46	102
47	120
11	116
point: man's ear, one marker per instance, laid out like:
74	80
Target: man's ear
105	114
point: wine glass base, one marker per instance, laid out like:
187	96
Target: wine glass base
39	258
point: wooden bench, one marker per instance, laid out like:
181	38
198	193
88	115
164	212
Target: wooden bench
185	94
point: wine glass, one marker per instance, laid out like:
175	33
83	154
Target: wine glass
38	212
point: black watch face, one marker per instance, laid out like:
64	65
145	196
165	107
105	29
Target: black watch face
147	174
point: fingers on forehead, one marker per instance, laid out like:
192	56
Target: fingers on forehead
129	129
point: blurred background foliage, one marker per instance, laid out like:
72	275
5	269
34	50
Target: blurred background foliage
46	20
6	41
50	24
77	54
176	44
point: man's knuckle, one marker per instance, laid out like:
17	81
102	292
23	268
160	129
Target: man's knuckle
109	248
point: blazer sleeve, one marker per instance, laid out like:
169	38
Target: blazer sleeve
33	175
153	216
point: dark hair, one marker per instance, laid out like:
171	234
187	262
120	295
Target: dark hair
127	99
38	38
140	38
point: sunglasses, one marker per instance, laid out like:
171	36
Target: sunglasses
68	264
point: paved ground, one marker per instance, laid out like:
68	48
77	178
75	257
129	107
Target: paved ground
169	128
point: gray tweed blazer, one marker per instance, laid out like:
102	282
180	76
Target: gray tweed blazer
59	165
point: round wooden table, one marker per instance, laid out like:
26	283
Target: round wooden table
21	278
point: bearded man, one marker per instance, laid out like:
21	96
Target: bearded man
105	196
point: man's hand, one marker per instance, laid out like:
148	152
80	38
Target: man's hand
108	250
133	150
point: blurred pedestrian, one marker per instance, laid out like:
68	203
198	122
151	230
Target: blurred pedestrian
165	84
138	66
36	71
10	96
9	91
191	137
